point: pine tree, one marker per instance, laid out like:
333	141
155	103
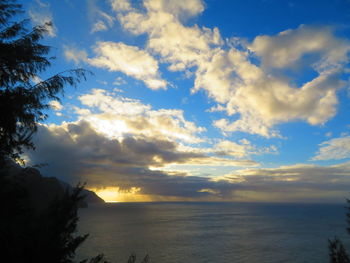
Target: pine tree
337	251
26	233
23	98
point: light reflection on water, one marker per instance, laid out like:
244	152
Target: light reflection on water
212	232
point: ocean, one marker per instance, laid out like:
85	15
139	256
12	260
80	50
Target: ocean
212	232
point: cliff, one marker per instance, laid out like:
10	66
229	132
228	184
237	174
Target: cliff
41	190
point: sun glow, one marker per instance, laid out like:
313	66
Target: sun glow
109	127
116	194
109	194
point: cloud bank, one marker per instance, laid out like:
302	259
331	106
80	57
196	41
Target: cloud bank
260	94
123	143
334	149
258	84
76	152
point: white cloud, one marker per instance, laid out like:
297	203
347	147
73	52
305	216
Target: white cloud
256	97
334	149
329	134
40	14
242	149
288	47
56	105
130	60
217	108
119	81
263	100
103	23
181	46
36	79
71	53
116	115
121	5
184	9
108	19
99	26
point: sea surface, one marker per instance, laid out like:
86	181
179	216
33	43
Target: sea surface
212	232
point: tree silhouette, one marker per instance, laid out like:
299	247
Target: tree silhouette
27	233
23	96
337	251
40	236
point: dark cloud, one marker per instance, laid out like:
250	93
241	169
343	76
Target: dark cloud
76	152
300	177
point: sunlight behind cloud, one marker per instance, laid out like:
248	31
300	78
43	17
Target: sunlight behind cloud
116	194
123	115
186	105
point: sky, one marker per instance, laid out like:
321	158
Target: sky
199	100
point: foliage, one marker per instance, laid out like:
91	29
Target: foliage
36	235
23	96
59	223
337	251
132	259
29	234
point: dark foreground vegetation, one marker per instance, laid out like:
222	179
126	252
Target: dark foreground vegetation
34	228
35	225
337	251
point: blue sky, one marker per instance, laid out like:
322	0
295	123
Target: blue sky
200	100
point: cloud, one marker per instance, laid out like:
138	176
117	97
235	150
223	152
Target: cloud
115	115
77	152
334	149
288	48
184	9
123	143
130	60
71	53
104	21
216	108
56	105
262	99
119	81
40	14
242	149
258	95
107	18
101	21
300	182
98	26
121	5
179	45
